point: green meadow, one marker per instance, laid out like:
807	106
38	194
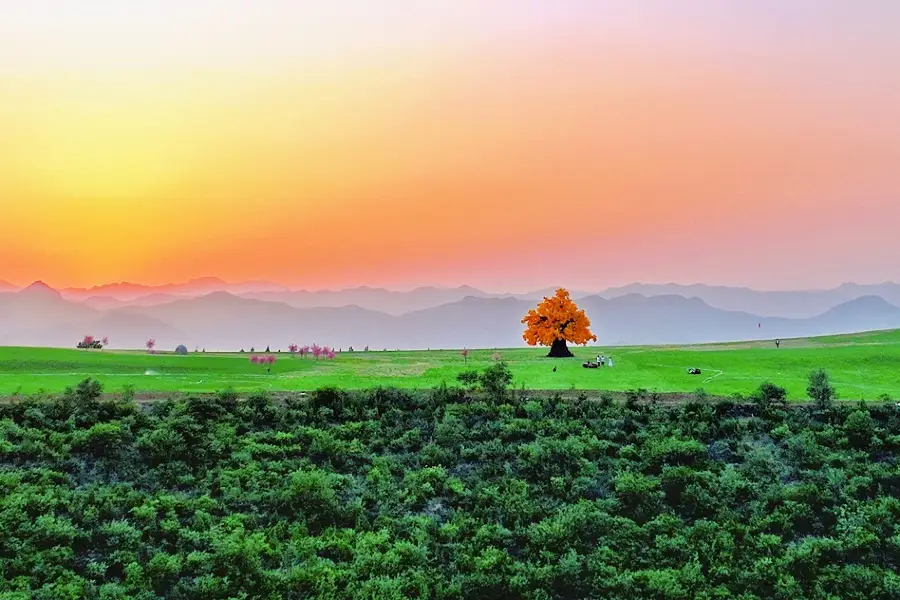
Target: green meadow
861	366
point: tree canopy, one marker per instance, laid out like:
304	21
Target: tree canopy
555	321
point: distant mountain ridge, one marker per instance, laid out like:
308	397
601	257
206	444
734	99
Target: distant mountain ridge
779	303
41	316
771	304
380	299
194	287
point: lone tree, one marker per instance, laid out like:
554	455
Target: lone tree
820	389
554	322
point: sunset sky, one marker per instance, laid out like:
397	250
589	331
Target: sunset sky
506	144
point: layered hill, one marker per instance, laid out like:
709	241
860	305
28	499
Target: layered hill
794	304
41	316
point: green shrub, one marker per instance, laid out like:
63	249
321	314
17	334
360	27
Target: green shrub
446	494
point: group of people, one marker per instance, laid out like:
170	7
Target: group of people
602	361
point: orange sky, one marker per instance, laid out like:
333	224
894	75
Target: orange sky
524	145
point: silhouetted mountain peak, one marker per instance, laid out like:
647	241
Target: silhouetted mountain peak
864	304
469	290
222	296
40	289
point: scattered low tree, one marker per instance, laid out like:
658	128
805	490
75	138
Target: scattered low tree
293	348
105	341
304	351
556	321
860	428
494	380
820	389
469	379
768	397
268	359
316	351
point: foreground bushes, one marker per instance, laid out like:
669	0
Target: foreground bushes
451	494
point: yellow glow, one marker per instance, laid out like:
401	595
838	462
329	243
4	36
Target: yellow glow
284	139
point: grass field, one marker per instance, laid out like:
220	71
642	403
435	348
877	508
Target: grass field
860	365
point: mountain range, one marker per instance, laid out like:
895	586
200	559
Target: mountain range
125	291
777	303
260	316
780	303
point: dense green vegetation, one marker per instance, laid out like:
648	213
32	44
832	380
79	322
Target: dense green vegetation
488	493
861	366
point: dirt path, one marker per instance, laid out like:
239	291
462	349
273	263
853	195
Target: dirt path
708	379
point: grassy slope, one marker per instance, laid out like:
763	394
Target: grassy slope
861	366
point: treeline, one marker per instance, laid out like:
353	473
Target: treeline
482	493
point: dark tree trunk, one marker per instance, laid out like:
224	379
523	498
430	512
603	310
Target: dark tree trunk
559	350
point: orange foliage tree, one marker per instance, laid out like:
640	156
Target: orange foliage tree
554	322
